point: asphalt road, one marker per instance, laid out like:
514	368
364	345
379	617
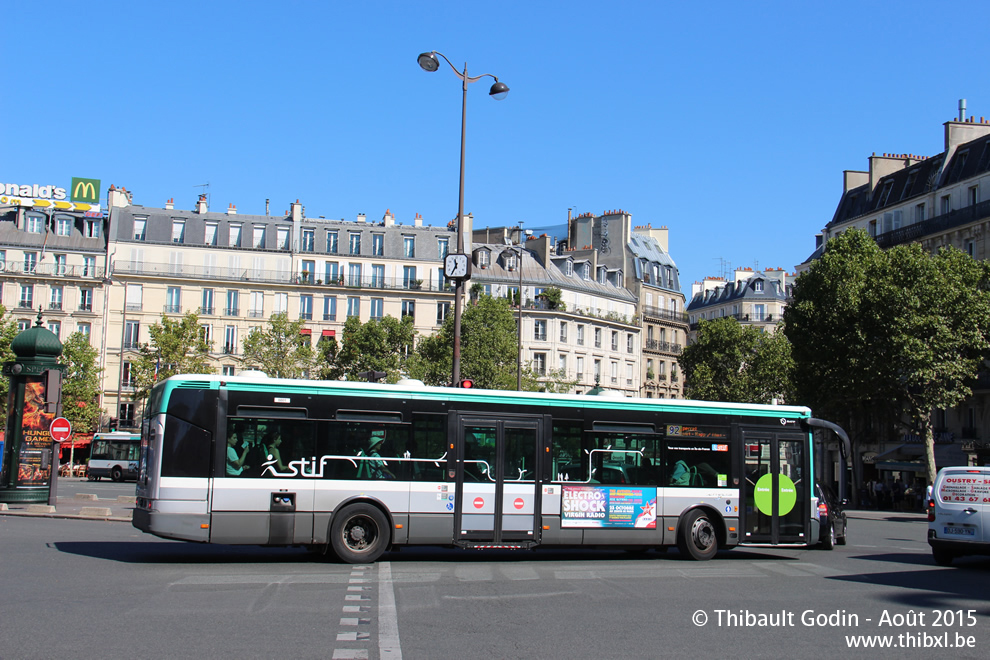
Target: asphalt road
99	589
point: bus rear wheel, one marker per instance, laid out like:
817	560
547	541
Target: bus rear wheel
696	538
359	534
116	473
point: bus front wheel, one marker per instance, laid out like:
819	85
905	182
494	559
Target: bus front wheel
359	534
696	538
116	473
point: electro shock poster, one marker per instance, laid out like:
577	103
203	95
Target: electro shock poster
608	506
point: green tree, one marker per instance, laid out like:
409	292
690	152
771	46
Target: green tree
80	383
732	362
328	365
279	349
8	330
177	347
489	347
378	345
903	330
554	298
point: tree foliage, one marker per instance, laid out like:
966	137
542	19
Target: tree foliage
903	329
81	383
732	362
279	348
176	347
489	347
8	330
378	345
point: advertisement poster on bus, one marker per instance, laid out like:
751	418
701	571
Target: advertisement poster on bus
609	506
34	460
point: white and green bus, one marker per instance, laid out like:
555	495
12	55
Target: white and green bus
114	455
354	469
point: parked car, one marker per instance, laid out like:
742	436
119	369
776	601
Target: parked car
959	513
831	518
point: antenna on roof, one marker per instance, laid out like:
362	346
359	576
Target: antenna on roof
206	189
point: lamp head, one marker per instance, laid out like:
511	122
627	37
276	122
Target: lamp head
428	61
498	91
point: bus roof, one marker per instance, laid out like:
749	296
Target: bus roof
160	395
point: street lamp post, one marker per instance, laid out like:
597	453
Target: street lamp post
519	248
499	90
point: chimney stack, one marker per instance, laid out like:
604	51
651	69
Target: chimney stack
418	221
201	204
169	205
231	210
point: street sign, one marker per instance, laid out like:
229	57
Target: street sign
60	429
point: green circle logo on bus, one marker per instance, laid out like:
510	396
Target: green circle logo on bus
786	497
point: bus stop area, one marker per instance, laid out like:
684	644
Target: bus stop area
80	505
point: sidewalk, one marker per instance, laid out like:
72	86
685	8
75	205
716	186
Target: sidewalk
871	514
81	506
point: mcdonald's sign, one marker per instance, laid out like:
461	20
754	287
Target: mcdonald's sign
85	190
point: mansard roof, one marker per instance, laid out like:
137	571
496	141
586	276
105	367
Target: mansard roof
738	291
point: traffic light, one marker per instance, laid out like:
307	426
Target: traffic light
466	383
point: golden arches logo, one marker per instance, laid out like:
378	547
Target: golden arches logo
85	190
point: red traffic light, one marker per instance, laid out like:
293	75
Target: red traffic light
466	383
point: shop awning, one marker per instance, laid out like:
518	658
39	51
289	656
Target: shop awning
329	333
902	466
77	441
906	452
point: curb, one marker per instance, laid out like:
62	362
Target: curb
63	516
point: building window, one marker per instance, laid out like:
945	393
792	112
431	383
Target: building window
23	324
758	286
614	366
759	312
282	238
228	369
178	231
443	310
540	364
132	334
354	275
973	195
330	308
353	306
409	280
306	307
126	375
85	329
234	237
133	298
378	245
484	258
127	415
409	247
140	226
409	308
259	237
377	308
232	300
540	330
443	247
580	335
332	272
257	308
569	268
629	374
93	228
207	306
629	343
89	266
946	206
60	264
206	332
598	337
378	276
355	243
26	300
210	236
281	305
332	242
615	340
230	339
173	300
308	272
308	243
579	370
63	226
35	224
562	364
563	331
85	300
30	261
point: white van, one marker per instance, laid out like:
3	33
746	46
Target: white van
959	513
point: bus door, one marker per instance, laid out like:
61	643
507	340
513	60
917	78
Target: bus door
498	471
777	488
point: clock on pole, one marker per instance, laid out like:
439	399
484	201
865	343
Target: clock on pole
457	266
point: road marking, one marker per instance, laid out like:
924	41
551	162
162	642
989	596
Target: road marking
388	620
511	596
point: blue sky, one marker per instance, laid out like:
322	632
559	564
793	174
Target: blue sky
728	122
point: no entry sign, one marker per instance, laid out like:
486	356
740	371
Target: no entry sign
60	429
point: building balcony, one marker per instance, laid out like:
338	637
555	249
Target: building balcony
173	309
255	314
665	314
86	307
55	306
329	317
207	311
305	316
663	346
230	311
228	349
51	269
936	225
25	304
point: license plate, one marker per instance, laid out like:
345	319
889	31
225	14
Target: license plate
960	531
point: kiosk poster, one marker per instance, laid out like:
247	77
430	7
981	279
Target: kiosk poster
34	464
608	506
